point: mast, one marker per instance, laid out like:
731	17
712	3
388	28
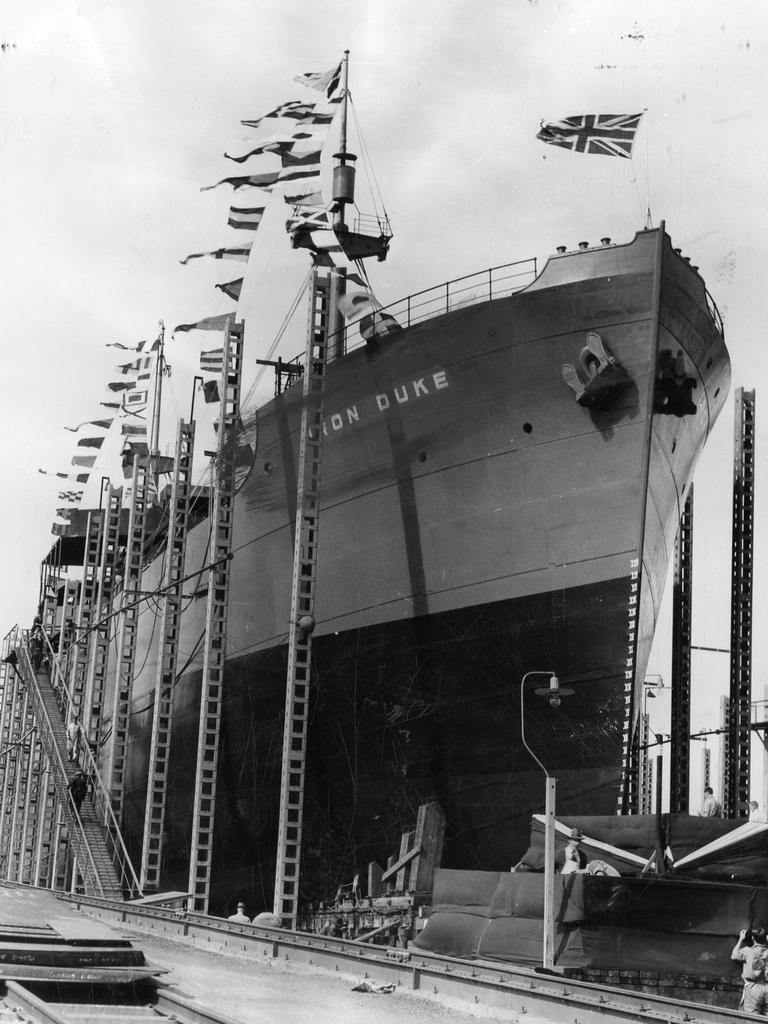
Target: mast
344	171
355	244
345	100
157	398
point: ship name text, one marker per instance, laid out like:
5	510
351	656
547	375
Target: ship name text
405	393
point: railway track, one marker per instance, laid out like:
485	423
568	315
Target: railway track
21	1004
504	990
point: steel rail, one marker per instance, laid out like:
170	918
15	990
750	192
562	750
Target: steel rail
166	1005
486	985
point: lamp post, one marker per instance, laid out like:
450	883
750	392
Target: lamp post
195	381
554	692
651	684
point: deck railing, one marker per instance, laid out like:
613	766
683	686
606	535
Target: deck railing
493	283
714	312
470	290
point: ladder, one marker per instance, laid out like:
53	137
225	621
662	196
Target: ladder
68	618
78	653
321	316
165	682
7	696
212	689
30	822
682	611
47	816
10	751
127	630
736	803
97	670
25	724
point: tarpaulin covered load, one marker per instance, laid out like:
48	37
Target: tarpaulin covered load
649	923
611	915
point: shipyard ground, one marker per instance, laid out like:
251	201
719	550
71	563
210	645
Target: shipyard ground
172	964
265	991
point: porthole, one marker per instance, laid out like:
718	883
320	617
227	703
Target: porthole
267	468
527	427
422	456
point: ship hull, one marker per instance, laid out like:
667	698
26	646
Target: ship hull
477	522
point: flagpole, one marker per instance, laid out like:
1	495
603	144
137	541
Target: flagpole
345	90
154	447
648	221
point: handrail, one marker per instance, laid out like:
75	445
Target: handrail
483	286
86	861
714	312
101	799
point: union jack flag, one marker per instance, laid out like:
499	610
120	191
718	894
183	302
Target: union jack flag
604	134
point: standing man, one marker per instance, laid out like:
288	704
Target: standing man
73	733
574	857
240	916
78	787
711	807
753	972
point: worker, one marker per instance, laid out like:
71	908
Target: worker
73	737
750	950
78	787
754	811
711	807
37	643
240	917
575	858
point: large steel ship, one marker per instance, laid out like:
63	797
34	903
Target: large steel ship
501	487
503	465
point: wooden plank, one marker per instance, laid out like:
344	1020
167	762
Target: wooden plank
404	858
374	879
430	833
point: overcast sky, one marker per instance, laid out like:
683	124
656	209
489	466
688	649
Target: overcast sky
113	114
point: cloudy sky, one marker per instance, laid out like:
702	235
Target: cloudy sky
114	113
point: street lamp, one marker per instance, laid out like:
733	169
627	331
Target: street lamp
554	692
195	381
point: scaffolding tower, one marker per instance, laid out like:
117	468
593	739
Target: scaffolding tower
736	802
322	323
165	682
78	653
99	653
128	622
680	748
214	655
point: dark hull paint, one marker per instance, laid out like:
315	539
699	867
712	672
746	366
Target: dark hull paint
402	713
476	523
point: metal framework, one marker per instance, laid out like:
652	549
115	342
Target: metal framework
97	670
645	780
321	322
70	604
23	724
680	748
725	747
737	794
212	691
77	654
127	630
165	683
